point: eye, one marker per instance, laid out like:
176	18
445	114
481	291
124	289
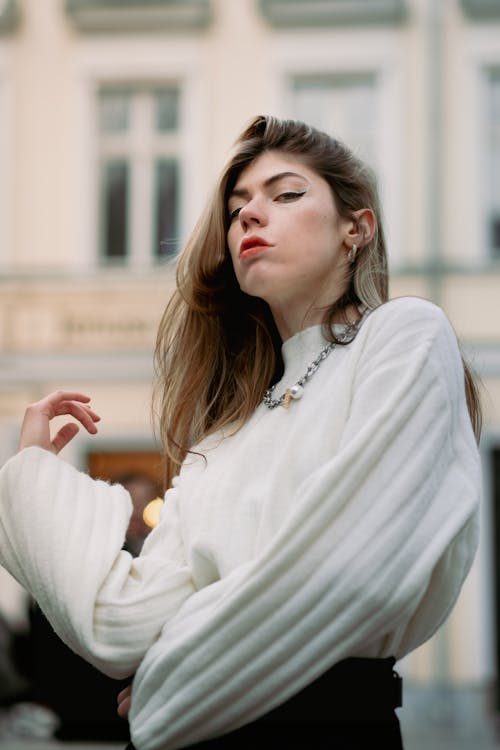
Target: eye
290	196
234	214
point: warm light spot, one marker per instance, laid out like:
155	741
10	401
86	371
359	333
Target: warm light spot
151	513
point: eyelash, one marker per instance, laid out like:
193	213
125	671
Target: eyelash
234	214
289	195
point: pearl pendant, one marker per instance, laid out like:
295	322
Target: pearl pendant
296	391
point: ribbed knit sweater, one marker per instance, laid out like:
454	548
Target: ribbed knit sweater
342	526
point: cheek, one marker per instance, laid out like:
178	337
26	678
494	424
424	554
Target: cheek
324	227
231	236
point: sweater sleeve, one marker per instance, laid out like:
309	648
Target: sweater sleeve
61	537
374	552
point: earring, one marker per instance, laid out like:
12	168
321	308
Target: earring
351	255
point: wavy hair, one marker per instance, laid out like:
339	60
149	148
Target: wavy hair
217	348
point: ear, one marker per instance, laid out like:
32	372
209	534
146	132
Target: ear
361	228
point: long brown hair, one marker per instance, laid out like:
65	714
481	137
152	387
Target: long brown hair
217	348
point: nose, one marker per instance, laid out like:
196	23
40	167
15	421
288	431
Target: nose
253	213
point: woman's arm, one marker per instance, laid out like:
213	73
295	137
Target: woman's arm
369	563
61	536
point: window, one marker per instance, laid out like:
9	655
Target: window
9	15
344	106
136	16
481	9
493	161
300	13
139	174
360	106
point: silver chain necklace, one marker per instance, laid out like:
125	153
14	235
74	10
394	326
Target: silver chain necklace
296	391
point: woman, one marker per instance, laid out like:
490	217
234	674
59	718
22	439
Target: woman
324	478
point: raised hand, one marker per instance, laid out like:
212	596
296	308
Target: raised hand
35	429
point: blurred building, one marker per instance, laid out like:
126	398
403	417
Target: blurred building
115	118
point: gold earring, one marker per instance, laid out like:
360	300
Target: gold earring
351	255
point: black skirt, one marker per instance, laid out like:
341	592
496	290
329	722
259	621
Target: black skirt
350	707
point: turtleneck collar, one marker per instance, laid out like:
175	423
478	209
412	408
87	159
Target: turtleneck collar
301	349
302	345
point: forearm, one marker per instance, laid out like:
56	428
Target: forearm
61	536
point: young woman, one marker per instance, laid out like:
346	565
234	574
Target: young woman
323	475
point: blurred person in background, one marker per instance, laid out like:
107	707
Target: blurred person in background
322	468
13	686
142	491
21	716
13	626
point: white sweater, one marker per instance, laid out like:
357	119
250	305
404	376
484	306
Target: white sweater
343	526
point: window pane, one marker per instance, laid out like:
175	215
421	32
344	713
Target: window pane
495	235
114	111
345	107
167	197
167	109
114	209
493	160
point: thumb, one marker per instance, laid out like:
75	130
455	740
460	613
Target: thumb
64	436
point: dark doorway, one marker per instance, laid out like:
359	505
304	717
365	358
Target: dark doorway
495	484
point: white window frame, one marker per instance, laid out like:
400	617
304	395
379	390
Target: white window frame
106	61
378	53
128	145
6	152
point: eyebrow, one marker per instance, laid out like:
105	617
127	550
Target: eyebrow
267	183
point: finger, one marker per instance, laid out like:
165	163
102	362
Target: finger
81	413
51	403
125	693
76	408
64	436
124	708
68	396
124	701
91	411
95	416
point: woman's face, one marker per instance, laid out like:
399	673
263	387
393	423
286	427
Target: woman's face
286	238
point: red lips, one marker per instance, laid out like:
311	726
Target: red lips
252	245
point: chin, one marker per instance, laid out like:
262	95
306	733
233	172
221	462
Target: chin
262	285
253	288
257	290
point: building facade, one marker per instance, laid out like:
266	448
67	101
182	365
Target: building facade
115	118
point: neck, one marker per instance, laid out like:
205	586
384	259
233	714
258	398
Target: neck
290	321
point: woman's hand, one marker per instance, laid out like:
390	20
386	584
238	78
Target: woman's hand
35	429
123	699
